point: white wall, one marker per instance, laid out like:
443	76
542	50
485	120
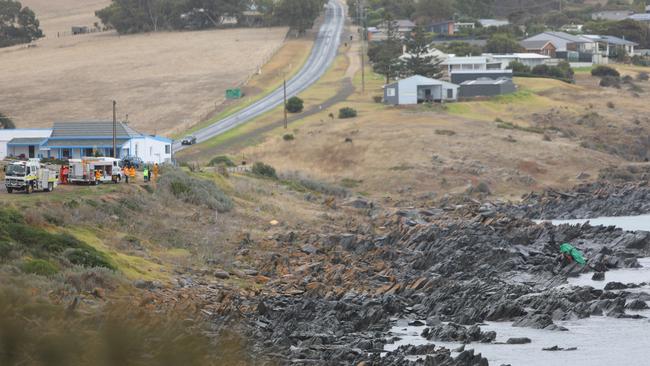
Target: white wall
149	149
8	135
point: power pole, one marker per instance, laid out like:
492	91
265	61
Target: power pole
114	130
285	102
364	33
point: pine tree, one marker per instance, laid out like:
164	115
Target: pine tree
386	60
420	62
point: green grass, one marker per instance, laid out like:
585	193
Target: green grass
584	69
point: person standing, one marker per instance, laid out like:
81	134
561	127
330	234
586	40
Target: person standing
132	173
155	171
125	172
145	173
98	176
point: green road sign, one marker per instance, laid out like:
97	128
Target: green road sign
233	93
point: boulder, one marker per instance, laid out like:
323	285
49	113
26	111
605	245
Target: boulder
598	276
518	340
221	274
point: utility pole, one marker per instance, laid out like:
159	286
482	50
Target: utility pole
285	102
361	12
114	130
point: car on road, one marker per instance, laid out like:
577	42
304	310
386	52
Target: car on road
188	140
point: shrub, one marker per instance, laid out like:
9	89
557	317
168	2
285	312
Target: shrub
221	160
347	112
378	98
610	82
602	71
196	191
87	258
643	76
518	67
288	137
39	267
302	183
264	170
611	105
295	105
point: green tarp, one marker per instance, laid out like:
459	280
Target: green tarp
567	248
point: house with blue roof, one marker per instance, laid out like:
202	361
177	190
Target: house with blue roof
74	140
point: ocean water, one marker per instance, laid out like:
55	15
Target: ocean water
600	341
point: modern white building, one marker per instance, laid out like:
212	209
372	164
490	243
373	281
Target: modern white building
73	140
419	89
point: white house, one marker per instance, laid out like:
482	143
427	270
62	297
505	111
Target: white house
23	141
419	89
529	59
73	140
454	63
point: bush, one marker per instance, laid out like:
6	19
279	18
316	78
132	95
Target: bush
610	82
221	160
347	112
288	137
602	71
302	184
39	267
611	105
518	67
87	258
264	170
643	76
196	191
295	105
378	98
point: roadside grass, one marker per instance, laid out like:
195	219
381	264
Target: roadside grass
294	53
584	69
323	89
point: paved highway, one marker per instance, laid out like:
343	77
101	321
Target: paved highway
322	55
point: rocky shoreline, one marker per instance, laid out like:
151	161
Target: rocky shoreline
449	269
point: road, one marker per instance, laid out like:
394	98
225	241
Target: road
321	58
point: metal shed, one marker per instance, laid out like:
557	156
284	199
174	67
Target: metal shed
419	89
486	88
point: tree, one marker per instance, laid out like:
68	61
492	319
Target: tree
460	48
519	68
502	43
386	53
419	60
475	8
299	14
295	105
18	24
432	10
6	122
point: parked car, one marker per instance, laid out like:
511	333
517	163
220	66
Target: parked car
132	160
188	140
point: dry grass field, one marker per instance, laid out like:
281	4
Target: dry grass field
59	15
549	134
165	82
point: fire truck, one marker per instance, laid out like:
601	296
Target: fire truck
91	170
29	176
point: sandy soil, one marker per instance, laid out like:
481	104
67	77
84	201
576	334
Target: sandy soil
165	82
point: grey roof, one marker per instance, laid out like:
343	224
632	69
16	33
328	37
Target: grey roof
567	37
641	17
405	23
27	141
88	143
534	45
91	129
618	41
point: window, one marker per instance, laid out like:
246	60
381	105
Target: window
450	94
89	152
66	153
390	92
168	149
